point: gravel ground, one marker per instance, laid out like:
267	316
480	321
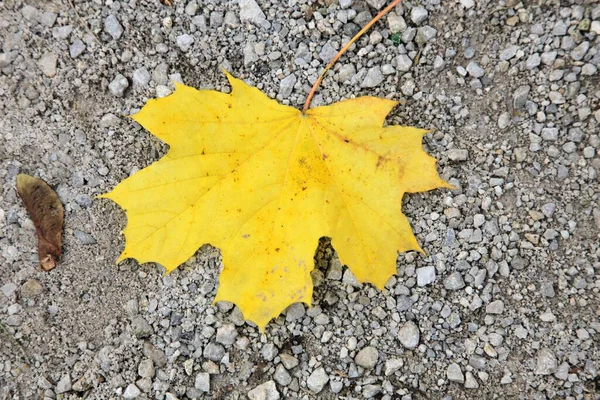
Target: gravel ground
505	305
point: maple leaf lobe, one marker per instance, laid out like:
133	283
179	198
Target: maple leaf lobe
263	182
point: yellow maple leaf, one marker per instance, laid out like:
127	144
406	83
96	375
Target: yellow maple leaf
263	182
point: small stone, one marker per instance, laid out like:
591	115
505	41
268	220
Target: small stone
546	363
595	27
327	53
185	42
84	238
226	334
286	86
373	78
467	3
141	328
251	12
47	64
454	281
288	361
132	392
118	85
155	354
317	380
367	357
146	369
425	34
191	8
520	96
264	391
393	365
560	28
8	289
282	376
580	51
470	381
495	307
458	154
396	23
550	134
62	32
504	120
589	69
48	18
377	4
269	351
403	63
202	382
475	70
425	275
30	13
509	52
409	335
454	373
141	77
533	61
418	15
76	48
31	288
113	27
214	352
63	385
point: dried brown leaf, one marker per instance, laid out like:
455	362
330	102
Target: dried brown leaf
46	212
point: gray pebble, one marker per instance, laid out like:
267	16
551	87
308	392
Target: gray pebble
185	42
62	32
509	52
520	96
281	375
409	335
118	85
226	334
533	61
546	363
458	154
470	381
64	385
113	27
264	391
396	23
286	86
403	63
132	392
425	275
495	307
418	15
84	238
8	289
269	351
475	70
202	382
425	34
367	357
141	328
251	12
504	120
76	48
454	373
214	352
47	64
327	53
141	77
317	380
454	281
373	78
146	369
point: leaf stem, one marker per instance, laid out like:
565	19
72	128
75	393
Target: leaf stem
343	50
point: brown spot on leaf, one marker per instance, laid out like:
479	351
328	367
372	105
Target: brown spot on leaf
46	212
